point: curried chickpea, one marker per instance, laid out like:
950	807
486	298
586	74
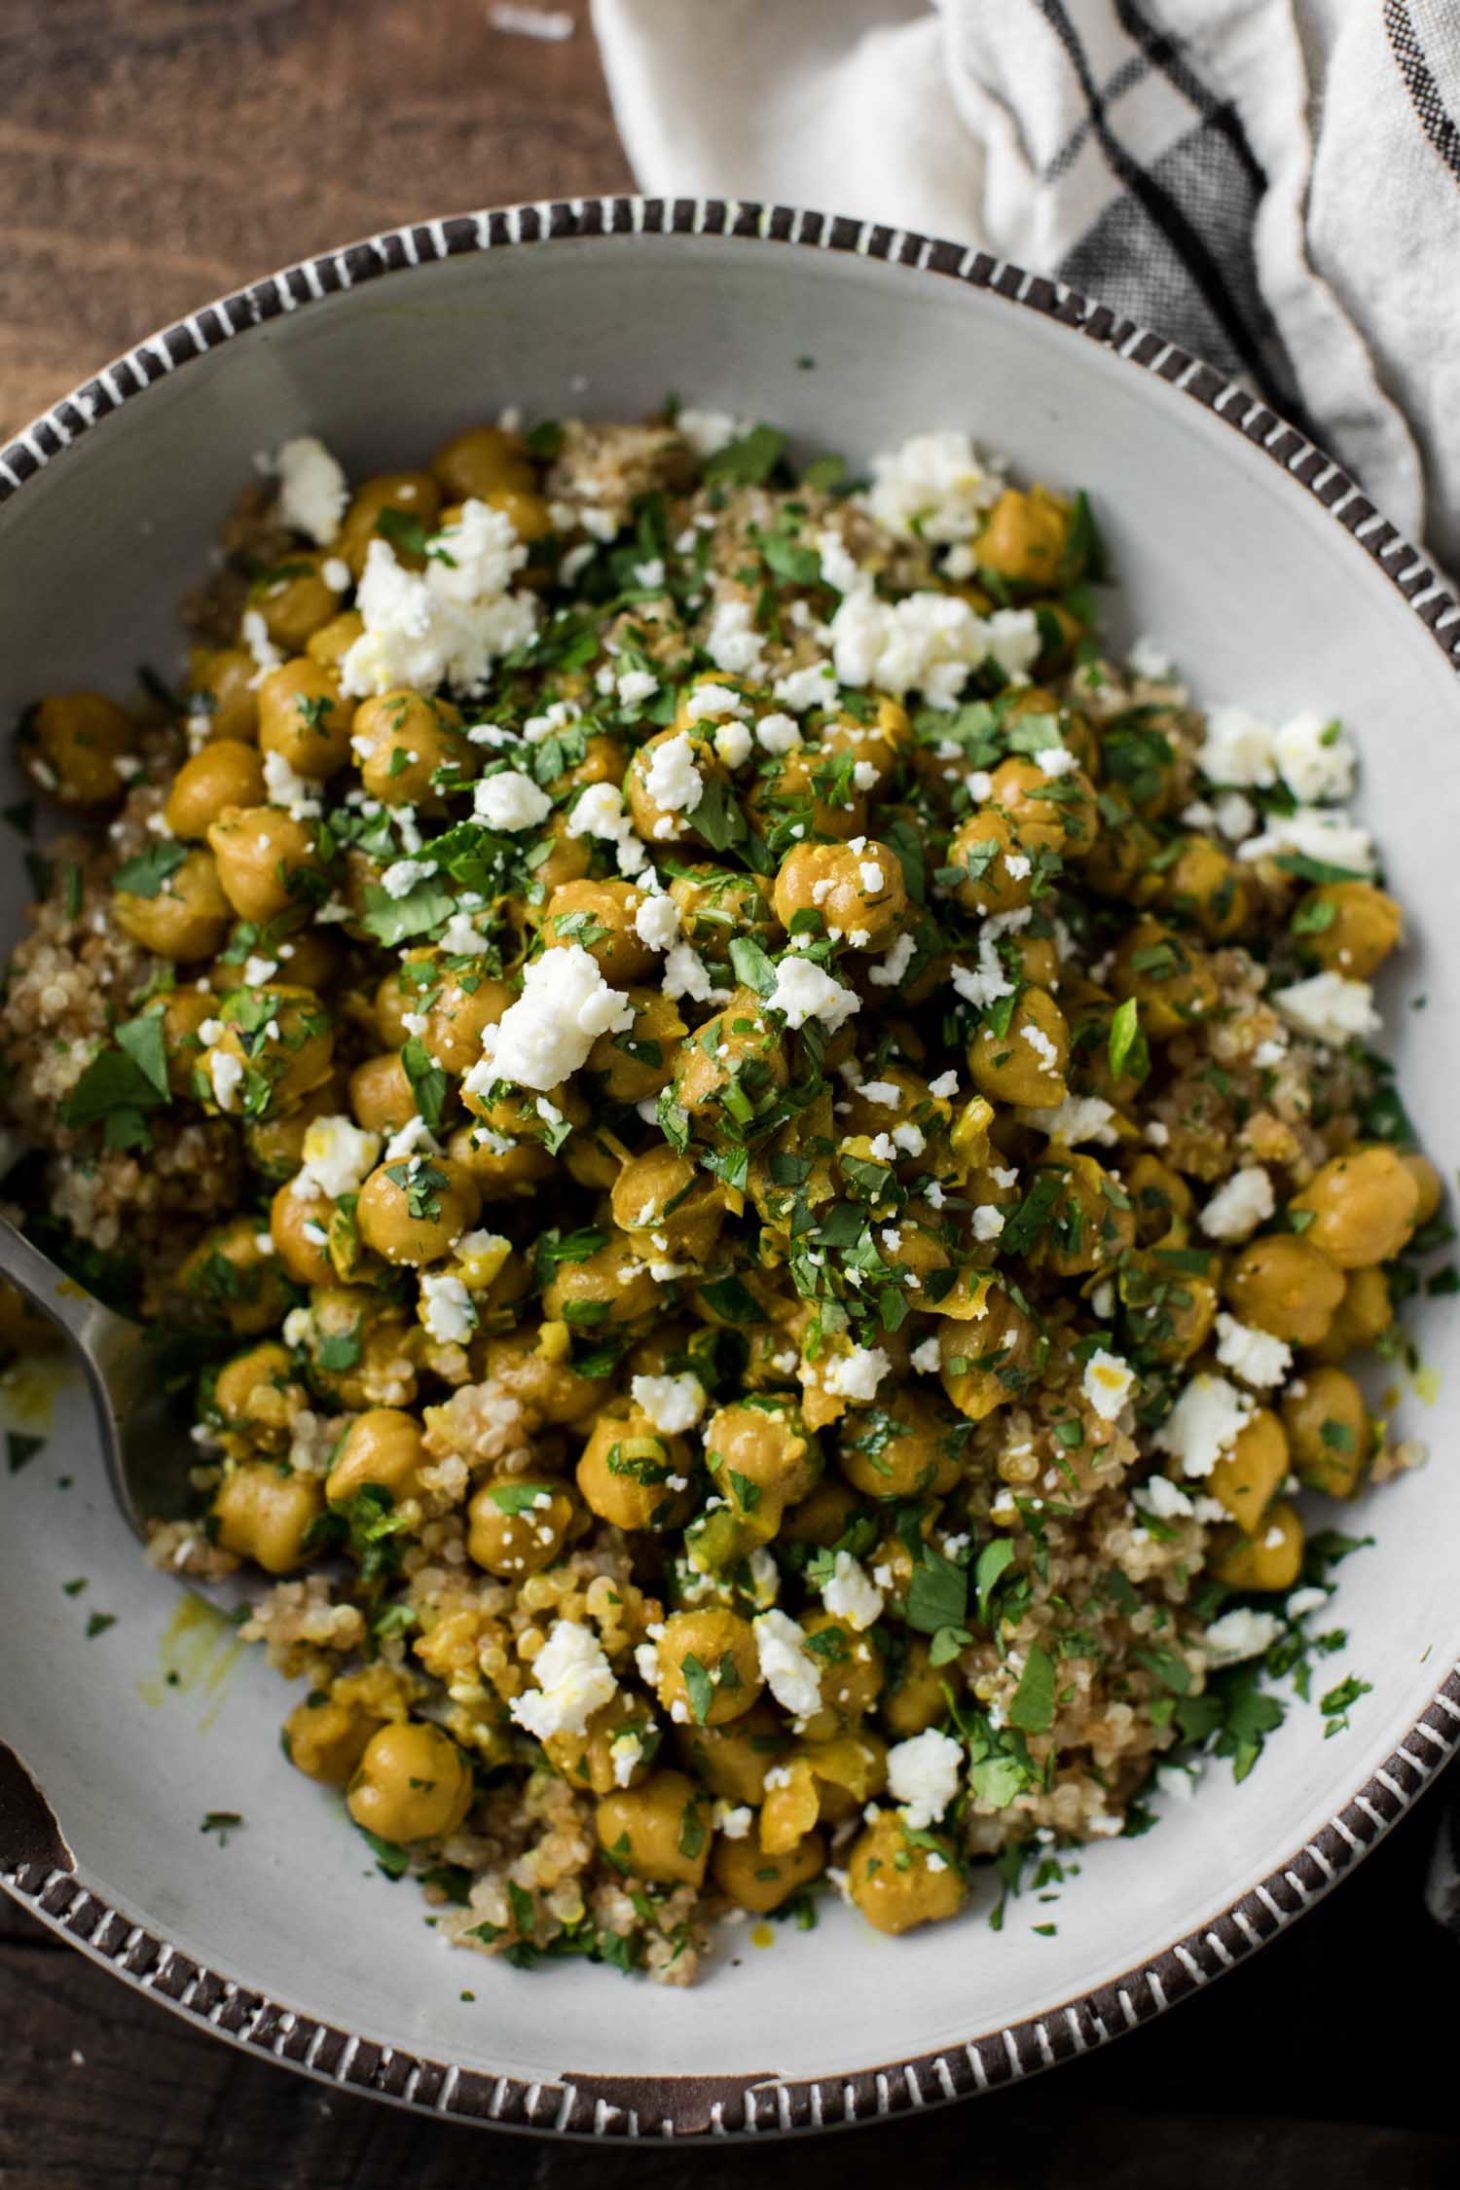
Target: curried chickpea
760	1882
1285	1285
403	740
668	777
230	1279
1329	1429
916	1699
1427	1179
1170	977
809	787
1361	1316
898	1884
1026	1065
736	1057
1203	883
983	1363
225	773
909	1449
299	1229
669	1209
640	1060
733	1759
610	1286
600	917
416	1210
709	1671
73	743
279	1043
1088	1227
482	461
1025	536
1271	1560
264	1514
857	889
221	685
1348	927
326	1740
413	493
658	1831
1363	1207
413	1783
764	1442
256	1392
631	1474
381	1096
996	868
465	1003
186	917
716	903
183	1015
519	1527
501	1174
1248	1478
268	860
385	1446
852	1673
295	599
305	719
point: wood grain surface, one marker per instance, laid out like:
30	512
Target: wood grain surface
152	153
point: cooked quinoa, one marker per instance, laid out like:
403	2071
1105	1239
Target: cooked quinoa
774	1161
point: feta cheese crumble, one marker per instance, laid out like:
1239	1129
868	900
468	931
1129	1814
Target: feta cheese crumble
546	1035
923	1775
674	1404
574	1680
1329	1008
788	1667
1239	1205
1205	1422
313	491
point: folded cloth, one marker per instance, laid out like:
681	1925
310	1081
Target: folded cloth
1273	184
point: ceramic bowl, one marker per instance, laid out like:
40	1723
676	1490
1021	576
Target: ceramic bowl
1269	578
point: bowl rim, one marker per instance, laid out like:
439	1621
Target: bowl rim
38	1868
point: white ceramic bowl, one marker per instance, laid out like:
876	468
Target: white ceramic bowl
1270	579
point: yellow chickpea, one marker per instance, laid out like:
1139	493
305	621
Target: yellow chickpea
264	1515
266	859
416	1210
658	1831
1364	1206
640	1060
1349	927
1273	1559
1431	1186
824	1515
413	1783
73	743
709	1671
500	1174
884	741
1287	1286
1024	537
996	868
183	1015
326	1740
1170	977
1160	1198
915	1701
898	1885
852	1674
1087	1226
299	1229
632	1474
1329	1428
482	461
225	773
381	1096
1248	1478
738	1051
599	916
610	1286
232	1279
403	740
765	1443
519	1527
661	772
1361	1317
716	903
413	493
759	1882
857	889
615	1749
256	1392
1206	885
281	1042
1026	1065
909	1449
982	1363
186	917
305	719
733	1759
332	642
385	1446
221	683
668	1208
295	599
459	1011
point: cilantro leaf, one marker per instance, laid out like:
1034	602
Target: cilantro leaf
749	461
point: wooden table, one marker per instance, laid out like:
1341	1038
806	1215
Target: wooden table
153	153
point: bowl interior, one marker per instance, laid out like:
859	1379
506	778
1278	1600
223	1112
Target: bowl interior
1256	592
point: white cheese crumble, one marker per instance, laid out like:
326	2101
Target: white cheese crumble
1237	749
546	1035
225	1074
672	780
574	1679
1256	1356
511	801
673	1403
890	969
600	812
777	734
1315	759
656	922
338	1157
446	1309
286	788
1239	1205
1205	1422
803	991
932	488
686	974
1078	1118
732	642
734	742
850	1594
1240	1634
707	432
856	1375
447	623
927	1357
313	492
1318	832
1329	1008
1107	1383
928	642
788	1667
923	1775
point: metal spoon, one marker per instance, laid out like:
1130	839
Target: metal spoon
144	1436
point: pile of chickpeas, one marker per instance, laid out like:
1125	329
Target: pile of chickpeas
695	1262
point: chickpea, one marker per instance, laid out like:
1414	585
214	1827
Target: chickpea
709	1670
383	1446
716	903
1427	1179
984	1364
332	642
466	1003
233	1280
73	742
1170	977
1026	1065
275	1146
631	1474
305	719
733	1759
222	687
640	1060
225	773
653	778
1360	1318
1248	1478
1330	1431
764	1443
267	860
753	1063
519	1527
1056	814
1273	1560
264	1514
299	1228
610	1286
658	1831
824	1515
1349	927
1169	1308
500	1174
326	1740
413	493
600	917
809	787
416	1210
413	1784
996	868
1160	1198
909	1449
895	1883
668	1207
405	740
295	599
1121	861
563	858
381	1096
859	891
310	960
852	1674
1363	1205
1285	1285
760	1882
1203	883
915	1701
1024	538
186	917
352	1323
884	741
185	1011
256	1392
282	1041
1087	1227
1139	759
616	1749
481	462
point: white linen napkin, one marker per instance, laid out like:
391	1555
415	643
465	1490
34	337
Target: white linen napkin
1274	184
